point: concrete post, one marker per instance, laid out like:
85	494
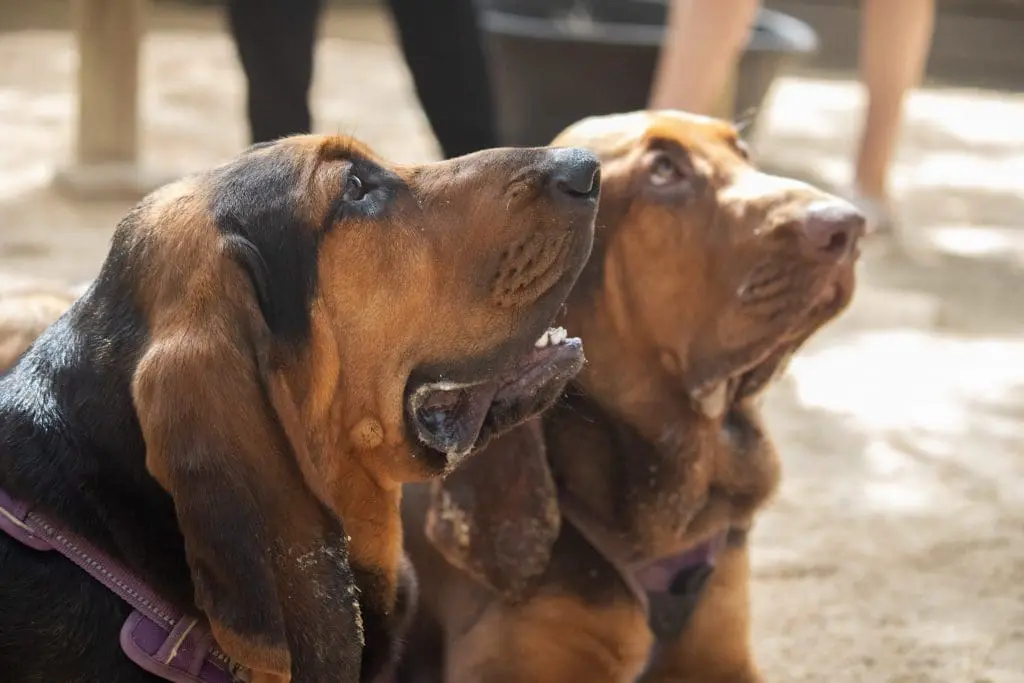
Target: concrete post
106	164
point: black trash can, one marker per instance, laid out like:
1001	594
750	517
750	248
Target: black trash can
554	62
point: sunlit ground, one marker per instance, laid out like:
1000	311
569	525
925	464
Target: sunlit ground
896	549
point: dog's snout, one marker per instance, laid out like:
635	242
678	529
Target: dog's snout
574	172
830	230
553	250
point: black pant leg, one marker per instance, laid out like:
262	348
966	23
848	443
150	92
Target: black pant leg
444	51
275	40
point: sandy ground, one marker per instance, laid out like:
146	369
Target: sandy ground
895	550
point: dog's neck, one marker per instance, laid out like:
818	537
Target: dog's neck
372	518
349	464
627	443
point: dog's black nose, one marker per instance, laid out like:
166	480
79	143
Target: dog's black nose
575	172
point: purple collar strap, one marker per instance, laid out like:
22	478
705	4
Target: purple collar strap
668	588
157	636
662	576
675	584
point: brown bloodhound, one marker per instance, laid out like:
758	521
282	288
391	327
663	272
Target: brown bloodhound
226	416
605	543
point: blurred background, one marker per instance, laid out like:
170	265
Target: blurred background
895	549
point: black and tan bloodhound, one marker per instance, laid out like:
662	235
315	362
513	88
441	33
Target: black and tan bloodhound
606	543
217	431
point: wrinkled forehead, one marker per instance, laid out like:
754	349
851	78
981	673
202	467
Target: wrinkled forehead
616	135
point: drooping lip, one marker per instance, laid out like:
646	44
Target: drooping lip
748	382
452	418
555	356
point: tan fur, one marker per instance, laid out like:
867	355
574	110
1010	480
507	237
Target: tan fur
260	677
537	642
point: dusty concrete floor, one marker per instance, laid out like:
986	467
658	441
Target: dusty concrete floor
895	550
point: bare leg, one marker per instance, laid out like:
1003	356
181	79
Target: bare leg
895	40
703	42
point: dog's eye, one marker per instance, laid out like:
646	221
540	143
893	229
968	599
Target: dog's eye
354	189
663	170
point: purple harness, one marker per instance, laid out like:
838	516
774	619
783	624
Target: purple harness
158	637
673	586
667	589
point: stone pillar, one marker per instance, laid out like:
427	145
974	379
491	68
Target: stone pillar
106	162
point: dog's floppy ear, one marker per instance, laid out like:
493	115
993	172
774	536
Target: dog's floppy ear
268	558
496	517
